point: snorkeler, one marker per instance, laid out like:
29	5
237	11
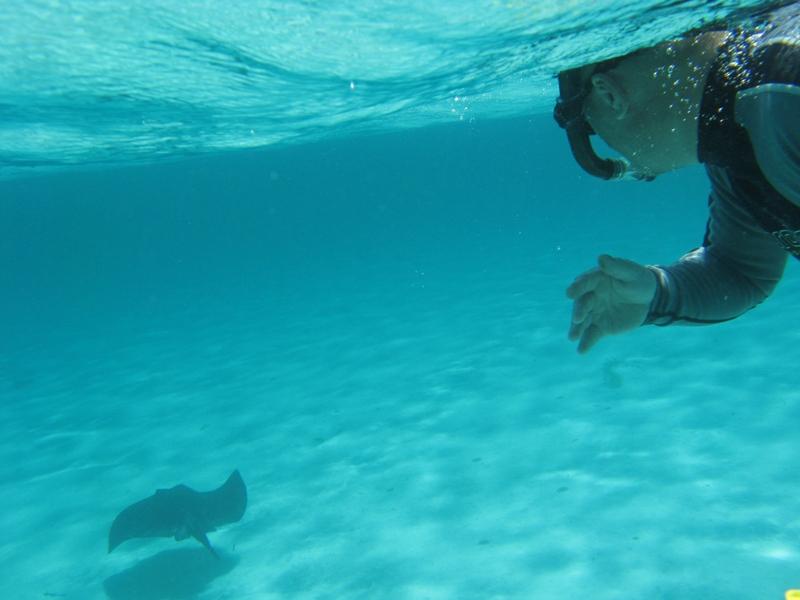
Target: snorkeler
727	99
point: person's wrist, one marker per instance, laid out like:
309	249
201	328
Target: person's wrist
657	304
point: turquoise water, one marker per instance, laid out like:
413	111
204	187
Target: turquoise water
88	82
366	317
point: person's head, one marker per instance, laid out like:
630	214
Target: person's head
644	105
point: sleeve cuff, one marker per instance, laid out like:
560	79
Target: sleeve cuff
658	313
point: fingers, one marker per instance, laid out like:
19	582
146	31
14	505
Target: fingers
587	332
609	299
583	291
585	283
582	306
576	330
590	337
620	268
581	315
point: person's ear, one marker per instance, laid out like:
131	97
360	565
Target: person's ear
611	95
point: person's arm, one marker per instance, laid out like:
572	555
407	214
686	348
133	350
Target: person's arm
737	267
739	264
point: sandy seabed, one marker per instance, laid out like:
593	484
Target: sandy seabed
437	442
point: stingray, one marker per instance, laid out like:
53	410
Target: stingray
181	512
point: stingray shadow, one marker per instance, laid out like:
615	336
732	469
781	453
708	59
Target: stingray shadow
181	573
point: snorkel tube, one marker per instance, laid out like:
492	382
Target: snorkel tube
573	90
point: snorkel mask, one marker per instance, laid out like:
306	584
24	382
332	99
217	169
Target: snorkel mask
574	86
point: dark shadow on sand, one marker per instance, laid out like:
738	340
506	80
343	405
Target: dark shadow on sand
171	574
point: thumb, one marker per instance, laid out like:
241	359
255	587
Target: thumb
620	268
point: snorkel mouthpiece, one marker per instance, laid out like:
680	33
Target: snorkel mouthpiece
573	91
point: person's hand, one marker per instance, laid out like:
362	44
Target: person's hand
612	298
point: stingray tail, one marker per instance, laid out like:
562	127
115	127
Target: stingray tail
203	539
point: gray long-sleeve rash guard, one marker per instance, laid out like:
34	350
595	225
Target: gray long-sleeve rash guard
740	263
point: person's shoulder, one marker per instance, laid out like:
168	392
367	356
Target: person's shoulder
770	113
778	60
772	93
768	107
776	49
776	101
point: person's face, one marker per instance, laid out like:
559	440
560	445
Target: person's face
633	131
